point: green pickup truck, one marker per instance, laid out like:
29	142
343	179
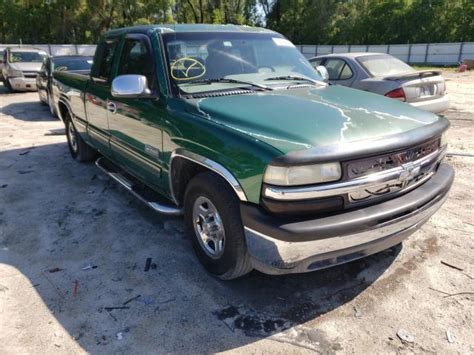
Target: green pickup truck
273	168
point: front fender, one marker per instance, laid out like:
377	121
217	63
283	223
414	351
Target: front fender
231	153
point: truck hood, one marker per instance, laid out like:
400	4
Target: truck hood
26	66
308	117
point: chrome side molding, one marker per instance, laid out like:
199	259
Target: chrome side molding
211	165
128	185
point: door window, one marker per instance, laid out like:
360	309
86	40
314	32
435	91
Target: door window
137	59
105	56
338	69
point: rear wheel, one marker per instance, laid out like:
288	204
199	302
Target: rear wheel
79	149
212	218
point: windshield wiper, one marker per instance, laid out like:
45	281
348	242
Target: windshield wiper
293	77
232	81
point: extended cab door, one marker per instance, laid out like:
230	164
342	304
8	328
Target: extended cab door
135	125
98	93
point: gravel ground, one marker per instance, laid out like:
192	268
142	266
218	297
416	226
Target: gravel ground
58	217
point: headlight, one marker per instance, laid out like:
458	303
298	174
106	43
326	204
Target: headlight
302	175
16	73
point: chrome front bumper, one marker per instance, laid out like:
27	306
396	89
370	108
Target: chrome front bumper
23	84
280	248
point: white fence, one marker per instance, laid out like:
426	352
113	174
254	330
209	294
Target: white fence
423	53
59	49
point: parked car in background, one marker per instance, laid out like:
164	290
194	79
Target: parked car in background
20	67
386	75
2	53
272	168
44	80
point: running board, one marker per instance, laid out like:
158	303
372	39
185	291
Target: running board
143	193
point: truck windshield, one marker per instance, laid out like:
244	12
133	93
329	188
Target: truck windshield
201	61
17	57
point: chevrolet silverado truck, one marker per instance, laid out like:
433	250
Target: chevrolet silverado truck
273	168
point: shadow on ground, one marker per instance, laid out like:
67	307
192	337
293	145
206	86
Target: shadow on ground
28	111
78	217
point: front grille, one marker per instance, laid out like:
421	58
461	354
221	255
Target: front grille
414	170
361	167
30	74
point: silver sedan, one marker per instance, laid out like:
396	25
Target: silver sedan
386	75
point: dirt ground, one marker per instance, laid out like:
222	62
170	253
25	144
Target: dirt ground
73	244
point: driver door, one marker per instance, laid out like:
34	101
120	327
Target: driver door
136	123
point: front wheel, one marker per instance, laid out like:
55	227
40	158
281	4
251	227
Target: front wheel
79	149
212	218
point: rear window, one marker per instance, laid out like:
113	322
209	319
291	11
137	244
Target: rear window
384	65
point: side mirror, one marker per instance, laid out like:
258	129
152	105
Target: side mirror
130	86
323	72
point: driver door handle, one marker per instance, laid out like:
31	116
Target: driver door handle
111	107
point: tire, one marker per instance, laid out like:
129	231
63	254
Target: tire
231	260
79	149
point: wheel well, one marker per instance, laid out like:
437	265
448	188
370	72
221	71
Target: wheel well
182	171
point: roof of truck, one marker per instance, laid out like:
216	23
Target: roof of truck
190	28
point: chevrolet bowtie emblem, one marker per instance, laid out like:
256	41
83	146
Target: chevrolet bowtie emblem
409	172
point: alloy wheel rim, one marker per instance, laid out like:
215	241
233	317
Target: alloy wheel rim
71	132
208	227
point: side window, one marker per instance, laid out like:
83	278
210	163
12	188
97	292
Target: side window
105	57
346	72
338	69
316	62
137	59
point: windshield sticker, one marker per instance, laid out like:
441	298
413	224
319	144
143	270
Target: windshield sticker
282	42
187	68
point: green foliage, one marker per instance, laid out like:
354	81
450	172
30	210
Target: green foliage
373	21
302	21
